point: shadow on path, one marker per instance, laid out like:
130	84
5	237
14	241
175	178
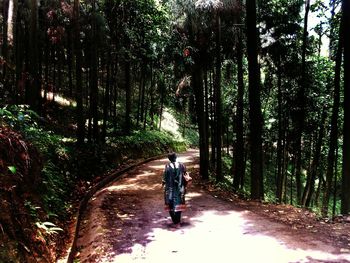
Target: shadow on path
127	223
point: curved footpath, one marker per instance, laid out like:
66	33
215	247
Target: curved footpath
125	222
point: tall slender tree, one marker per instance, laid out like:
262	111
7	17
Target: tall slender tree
93	73
310	182
301	106
345	194
33	94
281	178
4	48
197	83
333	140
127	69
239	166
256	120
218	104
78	75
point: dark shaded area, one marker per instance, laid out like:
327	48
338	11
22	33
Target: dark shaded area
20	206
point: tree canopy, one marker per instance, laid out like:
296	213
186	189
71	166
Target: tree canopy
264	84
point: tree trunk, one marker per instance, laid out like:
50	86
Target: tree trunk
319	41
94	77
18	49
4	48
139	98
162	95
88	101
106	101
335	192
239	168
280	175
115	72
218	110
127	128
333	140
197	79
143	90
8	44
70	62
53	58
301	107
345	194
285	161
212	123
333	3
310	184
151	108
47	68
59	69
206	107
79	81
145	113
256	120
34	94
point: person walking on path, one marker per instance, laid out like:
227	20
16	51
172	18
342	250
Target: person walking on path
175	180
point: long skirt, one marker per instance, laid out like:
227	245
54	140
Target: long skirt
175	212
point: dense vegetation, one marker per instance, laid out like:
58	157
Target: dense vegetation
266	85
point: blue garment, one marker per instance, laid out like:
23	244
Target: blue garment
174	190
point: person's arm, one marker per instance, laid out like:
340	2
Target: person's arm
183	168
188	179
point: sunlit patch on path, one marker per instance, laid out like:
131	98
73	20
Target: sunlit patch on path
129	214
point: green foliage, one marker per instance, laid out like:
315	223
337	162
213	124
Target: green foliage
12	169
226	164
31	208
226	183
191	137
19	117
56	187
141	23
48	228
56	183
187	131
147	142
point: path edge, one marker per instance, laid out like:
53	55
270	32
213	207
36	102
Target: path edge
83	203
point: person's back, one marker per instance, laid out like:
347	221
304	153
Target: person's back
174	188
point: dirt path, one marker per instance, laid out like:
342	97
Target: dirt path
125	222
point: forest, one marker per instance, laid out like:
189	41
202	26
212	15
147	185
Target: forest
261	88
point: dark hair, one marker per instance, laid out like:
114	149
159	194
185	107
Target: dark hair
172	157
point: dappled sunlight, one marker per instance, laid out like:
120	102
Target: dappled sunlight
192	195
213	235
50	96
134	183
170	124
182	159
145	173
212	230
161	166
185	160
136	186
